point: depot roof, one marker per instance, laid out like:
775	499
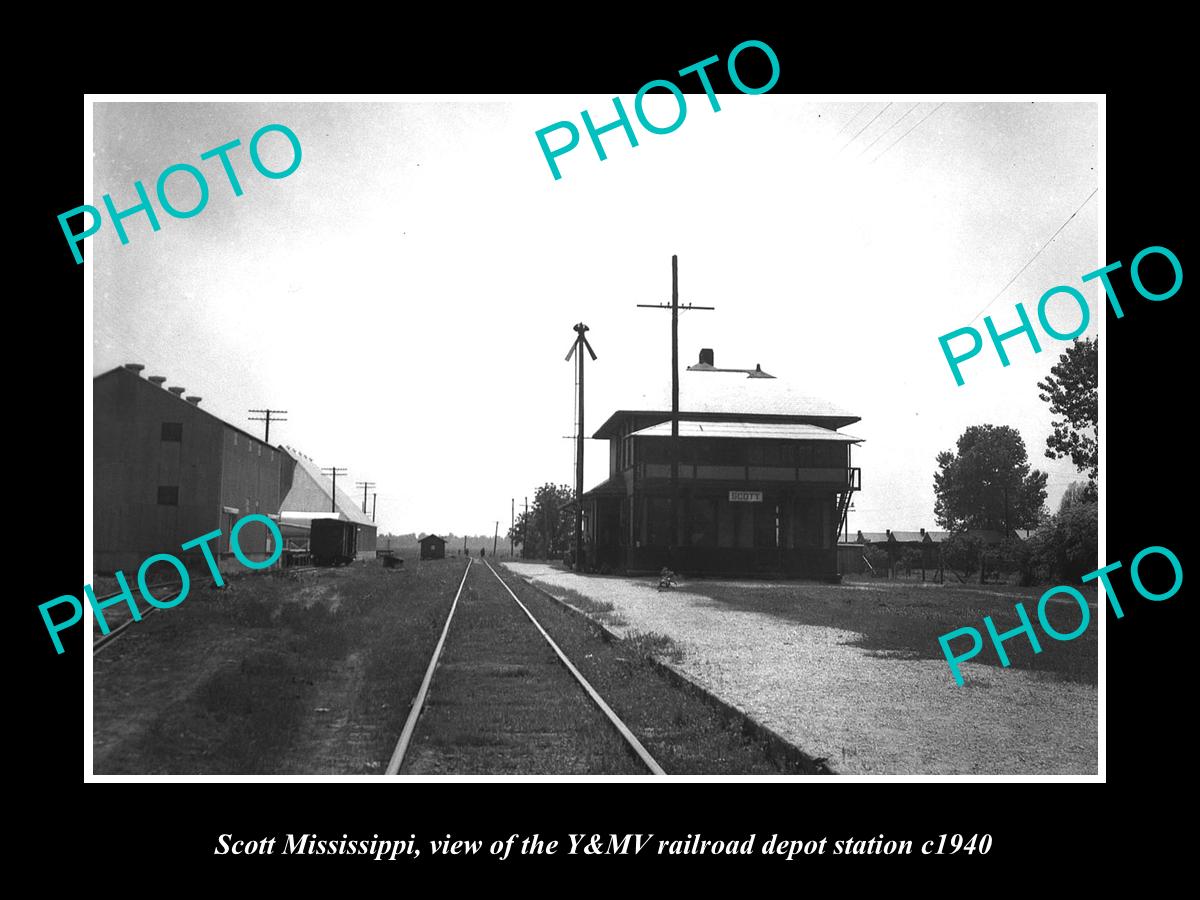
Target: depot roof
724	428
716	396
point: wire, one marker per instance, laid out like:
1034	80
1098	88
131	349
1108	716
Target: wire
864	128
848	121
907	133
1035	256
889	128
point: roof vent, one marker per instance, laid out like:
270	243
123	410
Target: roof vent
158	379
135	368
193	399
177	391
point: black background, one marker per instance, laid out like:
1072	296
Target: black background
1039	829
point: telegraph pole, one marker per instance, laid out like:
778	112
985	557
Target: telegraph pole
365	485
675	308
374	497
512	526
266	417
335	472
525	532
581	332
495	537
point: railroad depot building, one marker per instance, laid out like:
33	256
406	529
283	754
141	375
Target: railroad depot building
764	479
167	472
307	495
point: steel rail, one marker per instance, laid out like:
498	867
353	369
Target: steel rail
419	703
621	727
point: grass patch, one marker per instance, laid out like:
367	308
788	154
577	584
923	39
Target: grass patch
652	645
272	674
600	610
681	727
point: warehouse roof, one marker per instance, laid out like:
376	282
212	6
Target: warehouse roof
742	429
194	407
312	493
722	395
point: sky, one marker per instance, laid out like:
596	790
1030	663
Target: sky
408	293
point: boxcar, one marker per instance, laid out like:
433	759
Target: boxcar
333	542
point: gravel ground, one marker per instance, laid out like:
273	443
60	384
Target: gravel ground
866	712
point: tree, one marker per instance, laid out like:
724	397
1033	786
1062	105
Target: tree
988	482
963	553
546	531
1071	391
1078	492
1066	546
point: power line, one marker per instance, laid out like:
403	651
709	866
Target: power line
849	120
1035	256
889	128
907	133
864	128
267	418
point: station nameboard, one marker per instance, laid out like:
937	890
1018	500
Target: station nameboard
745	496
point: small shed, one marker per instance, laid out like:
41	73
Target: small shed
433	547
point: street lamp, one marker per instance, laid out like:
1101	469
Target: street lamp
706	365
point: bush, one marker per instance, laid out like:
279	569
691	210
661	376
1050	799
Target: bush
877	559
1066	546
911	558
962	553
1017	557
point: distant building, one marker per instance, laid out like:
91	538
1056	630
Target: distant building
433	547
307	495
167	472
764	480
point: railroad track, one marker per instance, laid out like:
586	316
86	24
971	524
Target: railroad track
104	640
405	743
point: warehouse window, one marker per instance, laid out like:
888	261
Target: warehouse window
168	495
172	431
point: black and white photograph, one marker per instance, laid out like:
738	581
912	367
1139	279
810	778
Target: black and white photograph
730	433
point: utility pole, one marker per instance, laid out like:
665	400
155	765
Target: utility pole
495	537
581	331
525	532
675	308
266	417
374	497
335	472
512	526
365	485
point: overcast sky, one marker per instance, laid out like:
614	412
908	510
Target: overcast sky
408	293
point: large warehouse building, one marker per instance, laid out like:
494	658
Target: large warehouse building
167	472
308	494
764	479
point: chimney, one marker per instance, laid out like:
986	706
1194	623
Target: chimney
177	391
157	379
135	368
922	532
706	357
193	399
